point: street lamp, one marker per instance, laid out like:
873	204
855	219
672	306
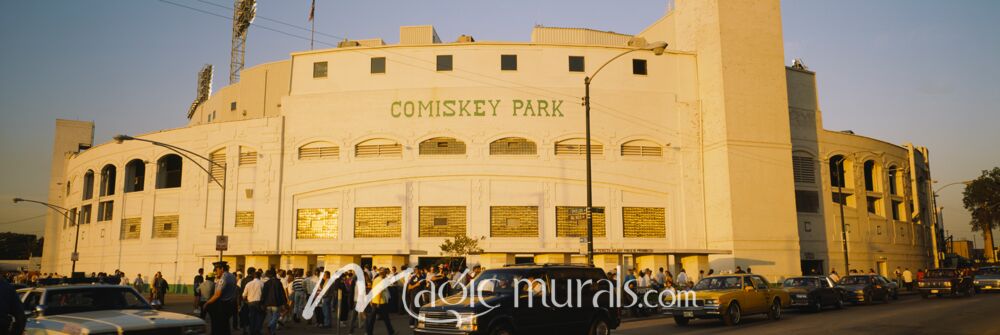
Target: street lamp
185	152
72	220
937	253
657	48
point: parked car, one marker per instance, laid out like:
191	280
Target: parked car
729	298
502	289
867	288
99	309
813	293
946	281
987	279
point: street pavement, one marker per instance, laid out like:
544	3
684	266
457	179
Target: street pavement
910	315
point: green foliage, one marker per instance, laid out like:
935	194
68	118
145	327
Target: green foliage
982	199
19	246
461	246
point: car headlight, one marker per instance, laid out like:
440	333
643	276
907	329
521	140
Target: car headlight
193	330
468	322
859	291
921	284
947	284
711	302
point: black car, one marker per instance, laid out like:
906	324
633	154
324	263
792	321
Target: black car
946	281
813	292
502	306
987	279
867	288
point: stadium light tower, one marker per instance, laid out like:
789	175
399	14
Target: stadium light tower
244	12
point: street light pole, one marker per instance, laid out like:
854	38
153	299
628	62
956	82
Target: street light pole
72	220
657	48
185	153
935	223
840	202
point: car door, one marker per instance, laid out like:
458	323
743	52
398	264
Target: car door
753	301
533	318
828	292
764	291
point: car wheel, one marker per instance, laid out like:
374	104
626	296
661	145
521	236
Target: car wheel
599	327
775	312
681	321
501	330
895	294
817	307
840	303
733	314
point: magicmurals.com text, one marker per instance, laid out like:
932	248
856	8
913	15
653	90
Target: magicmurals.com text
566	294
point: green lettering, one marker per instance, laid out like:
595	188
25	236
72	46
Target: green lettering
421	107
463	108
495	105
543	107
479	108
529	107
408	108
450	106
518	104
392	109
555	108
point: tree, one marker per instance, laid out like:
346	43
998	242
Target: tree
460	247
982	199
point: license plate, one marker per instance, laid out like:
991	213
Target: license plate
688	314
934	291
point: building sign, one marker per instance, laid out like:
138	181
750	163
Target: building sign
475	108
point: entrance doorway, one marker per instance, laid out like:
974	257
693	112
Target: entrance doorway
524	260
812	267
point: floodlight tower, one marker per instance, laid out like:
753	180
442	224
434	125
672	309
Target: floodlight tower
243	15
204	88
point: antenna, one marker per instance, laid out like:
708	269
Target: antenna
204	88
244	12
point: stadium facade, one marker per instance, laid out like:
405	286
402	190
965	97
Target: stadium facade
711	155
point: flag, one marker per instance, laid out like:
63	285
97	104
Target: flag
312	10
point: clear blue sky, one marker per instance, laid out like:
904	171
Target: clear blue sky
900	70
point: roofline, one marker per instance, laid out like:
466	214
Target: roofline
478	43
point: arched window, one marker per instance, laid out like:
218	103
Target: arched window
642	148
108	180
442	146
513	146
839	168
248	156
319	150
378	147
88	185
168	171
895	181
135	176
804	169
873	174
578	147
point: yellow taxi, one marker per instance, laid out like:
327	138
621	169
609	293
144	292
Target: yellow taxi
729	298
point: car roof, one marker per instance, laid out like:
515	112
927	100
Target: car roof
809	276
74	286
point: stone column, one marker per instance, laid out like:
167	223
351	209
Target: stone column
694	263
388	261
495	260
333	263
551	258
652	262
608	262
304	262
263	262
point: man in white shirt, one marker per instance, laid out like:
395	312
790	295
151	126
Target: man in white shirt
682	279
908	279
251	295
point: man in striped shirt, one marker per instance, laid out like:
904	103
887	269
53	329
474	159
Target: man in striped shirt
298	295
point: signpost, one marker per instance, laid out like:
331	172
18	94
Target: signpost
221	243
75	256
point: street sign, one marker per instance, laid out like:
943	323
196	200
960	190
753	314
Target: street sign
577	217
74	257
577	210
583	246
221	242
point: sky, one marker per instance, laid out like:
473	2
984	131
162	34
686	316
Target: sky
917	71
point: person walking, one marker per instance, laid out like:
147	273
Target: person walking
244	311
222	303
379	306
139	284
682	279
159	292
273	298
327	300
834	277
348	302
252	291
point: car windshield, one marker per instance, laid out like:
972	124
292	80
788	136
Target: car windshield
941	273
719	283
497	281
855	280
990	271
88	299
801	282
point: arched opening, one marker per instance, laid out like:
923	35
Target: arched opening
168	171
378	147
319	150
642	148
873	180
442	146
841	181
108	174
578	147
218	165
513	146
895	181
88	185
135	176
